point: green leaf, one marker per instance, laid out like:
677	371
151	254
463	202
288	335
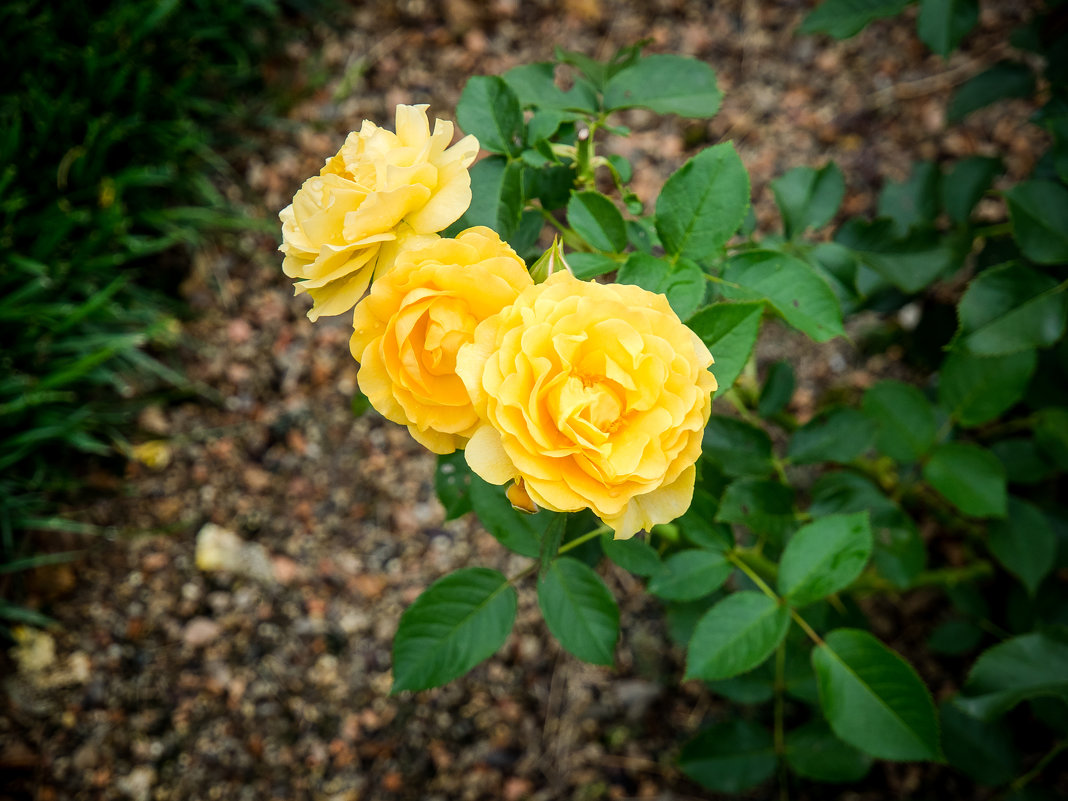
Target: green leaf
969	477
839	434
755	687
682	283
585	266
838	265
900	553
635	555
495	197
730	757
1024	462
914	202
977	389
543	124
808	198
778	389
691	574
739	448
489	109
1011	308
1004	79
535	85
699	527
1051	434
452	481
965	184
1039	214
981	749
954	637
596	71
844	18
551	185
791	286
943	23
873	698
766	507
905	420
909	263
736	635
517	531
1028	666
579	610
824	557
813	752
730	331
666	84
597	220
703	203
1024	543
457	622
360	404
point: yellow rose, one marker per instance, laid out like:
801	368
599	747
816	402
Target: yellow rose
592	395
347	223
407	331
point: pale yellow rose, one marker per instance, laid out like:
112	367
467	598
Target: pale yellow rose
592	395
408	329
346	224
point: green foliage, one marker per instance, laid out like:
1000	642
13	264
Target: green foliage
579	610
873	699
824	557
789	286
730	332
456	623
489	109
703	203
691	574
1004	79
112	125
1024	667
813	752
736	635
844	18
808	198
730	757
947	476
666	84
971	478
943	23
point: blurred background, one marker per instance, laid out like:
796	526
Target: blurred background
203	553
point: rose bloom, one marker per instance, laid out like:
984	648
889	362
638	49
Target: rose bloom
407	331
592	395
346	223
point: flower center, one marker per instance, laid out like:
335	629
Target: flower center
590	402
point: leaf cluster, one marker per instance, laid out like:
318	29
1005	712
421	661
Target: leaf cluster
112	118
759	578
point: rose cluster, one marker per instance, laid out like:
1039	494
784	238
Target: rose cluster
578	394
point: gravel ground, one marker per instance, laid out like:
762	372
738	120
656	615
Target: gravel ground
166	681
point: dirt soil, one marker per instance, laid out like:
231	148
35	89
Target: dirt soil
165	681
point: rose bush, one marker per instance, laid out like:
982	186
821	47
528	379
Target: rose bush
347	224
408	330
591	396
